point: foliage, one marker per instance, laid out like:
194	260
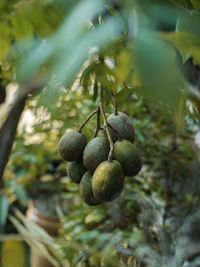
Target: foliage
147	54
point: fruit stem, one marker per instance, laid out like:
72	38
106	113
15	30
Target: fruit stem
110	156
87	119
118	133
114	104
98	122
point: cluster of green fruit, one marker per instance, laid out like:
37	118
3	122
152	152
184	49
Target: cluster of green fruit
101	179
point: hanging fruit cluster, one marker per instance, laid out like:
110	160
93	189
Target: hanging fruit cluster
101	164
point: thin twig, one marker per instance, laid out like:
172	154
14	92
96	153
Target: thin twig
87	119
114	104
98	122
117	132
110	156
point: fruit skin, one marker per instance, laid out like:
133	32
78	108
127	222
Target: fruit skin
127	154
108	180
71	145
75	171
85	190
123	124
95	152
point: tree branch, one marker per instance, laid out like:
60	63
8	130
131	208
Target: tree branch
9	127
87	119
114	104
98	122
110	156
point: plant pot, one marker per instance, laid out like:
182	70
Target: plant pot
50	225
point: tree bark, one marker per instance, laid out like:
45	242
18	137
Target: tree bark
7	135
9	127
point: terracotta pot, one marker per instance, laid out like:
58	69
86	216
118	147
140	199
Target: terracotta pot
50	225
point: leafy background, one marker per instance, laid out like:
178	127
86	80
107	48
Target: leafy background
151	63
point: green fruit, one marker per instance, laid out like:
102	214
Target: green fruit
86	192
75	171
122	123
71	145
95	152
108	180
127	154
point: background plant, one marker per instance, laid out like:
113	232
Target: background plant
151	53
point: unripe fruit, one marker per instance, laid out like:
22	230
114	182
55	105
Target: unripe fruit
123	124
75	171
108	180
71	145
95	152
127	154
86	192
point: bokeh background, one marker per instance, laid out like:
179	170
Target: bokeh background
51	70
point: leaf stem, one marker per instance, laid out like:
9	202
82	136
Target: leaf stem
118	133
106	127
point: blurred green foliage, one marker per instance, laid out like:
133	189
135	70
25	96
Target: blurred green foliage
147	53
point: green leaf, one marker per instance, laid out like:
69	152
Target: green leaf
34	241
4	39
196	3
80	256
107	96
85	76
4	207
95	91
103	75
185	42
122	96
159	71
189	21
21	27
19	191
118	16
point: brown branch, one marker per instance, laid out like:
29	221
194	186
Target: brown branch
118	133
87	119
98	122
9	127
110	156
114	104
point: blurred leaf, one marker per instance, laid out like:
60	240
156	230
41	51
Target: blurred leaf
4	39
124	67
37	238
118	16
4	207
159	71
34	228
122	96
95	216
21	27
103	75
85	76
95	90
196	3
80	256
67	56
189	22
125	251
185	42
19	191
74	26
